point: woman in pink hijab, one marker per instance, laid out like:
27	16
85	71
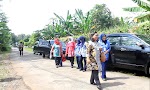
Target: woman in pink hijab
70	49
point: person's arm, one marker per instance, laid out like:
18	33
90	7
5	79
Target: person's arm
109	48
88	53
66	50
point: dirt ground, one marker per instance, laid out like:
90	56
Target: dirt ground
32	72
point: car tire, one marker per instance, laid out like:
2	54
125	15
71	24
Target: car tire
40	53
43	55
112	59
148	70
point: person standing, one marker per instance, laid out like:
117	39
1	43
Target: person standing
77	53
105	44
83	54
57	51
21	48
70	50
93	59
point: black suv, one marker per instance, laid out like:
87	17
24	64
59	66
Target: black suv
44	46
130	51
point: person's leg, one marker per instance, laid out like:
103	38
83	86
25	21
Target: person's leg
92	77
56	62
20	52
84	68
72	61
96	78
77	59
60	62
81	63
103	70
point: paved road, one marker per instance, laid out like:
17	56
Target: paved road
41	74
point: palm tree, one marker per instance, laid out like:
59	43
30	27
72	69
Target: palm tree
142	7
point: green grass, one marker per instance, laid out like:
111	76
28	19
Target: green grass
3	70
28	49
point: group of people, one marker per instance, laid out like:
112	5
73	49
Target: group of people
87	55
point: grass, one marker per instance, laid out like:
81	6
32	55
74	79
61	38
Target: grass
3	70
28	49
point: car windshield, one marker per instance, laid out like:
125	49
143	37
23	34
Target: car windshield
63	44
146	39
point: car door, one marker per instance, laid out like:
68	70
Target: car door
115	48
129	50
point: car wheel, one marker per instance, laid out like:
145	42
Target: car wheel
40	53
148	70
43	55
112	58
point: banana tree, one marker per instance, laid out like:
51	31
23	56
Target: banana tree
82	21
66	24
142	7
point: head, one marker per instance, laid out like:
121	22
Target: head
78	41
103	37
82	39
56	41
94	37
70	39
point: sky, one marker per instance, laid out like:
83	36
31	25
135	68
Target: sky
26	16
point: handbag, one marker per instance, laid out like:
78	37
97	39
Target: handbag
63	58
102	57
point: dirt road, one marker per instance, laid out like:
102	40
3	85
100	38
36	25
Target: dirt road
41	74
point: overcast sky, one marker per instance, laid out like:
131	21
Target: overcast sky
26	16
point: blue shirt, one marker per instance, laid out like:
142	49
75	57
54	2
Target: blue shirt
56	52
105	47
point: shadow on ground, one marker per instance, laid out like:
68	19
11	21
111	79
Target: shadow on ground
127	71
9	79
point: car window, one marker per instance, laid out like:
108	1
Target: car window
63	44
114	40
130	41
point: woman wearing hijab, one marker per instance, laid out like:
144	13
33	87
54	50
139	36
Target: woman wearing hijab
77	53
93	59
105	44
83	54
70	49
57	51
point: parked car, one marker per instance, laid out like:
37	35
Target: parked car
43	47
130	51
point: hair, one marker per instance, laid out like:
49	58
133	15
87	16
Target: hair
91	36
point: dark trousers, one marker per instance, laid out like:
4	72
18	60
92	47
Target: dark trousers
78	61
94	77
57	60
60	62
71	60
104	69
83	66
21	52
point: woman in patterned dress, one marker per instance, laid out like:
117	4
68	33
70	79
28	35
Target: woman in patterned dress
93	59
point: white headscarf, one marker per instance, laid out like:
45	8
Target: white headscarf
70	39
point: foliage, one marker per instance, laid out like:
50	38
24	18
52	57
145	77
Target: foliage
5	35
143	7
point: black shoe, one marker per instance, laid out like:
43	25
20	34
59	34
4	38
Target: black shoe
81	69
93	83
84	70
77	67
71	66
99	87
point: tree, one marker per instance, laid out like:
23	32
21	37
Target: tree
82	22
142	7
101	17
5	35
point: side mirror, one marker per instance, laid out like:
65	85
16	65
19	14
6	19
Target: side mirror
140	45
